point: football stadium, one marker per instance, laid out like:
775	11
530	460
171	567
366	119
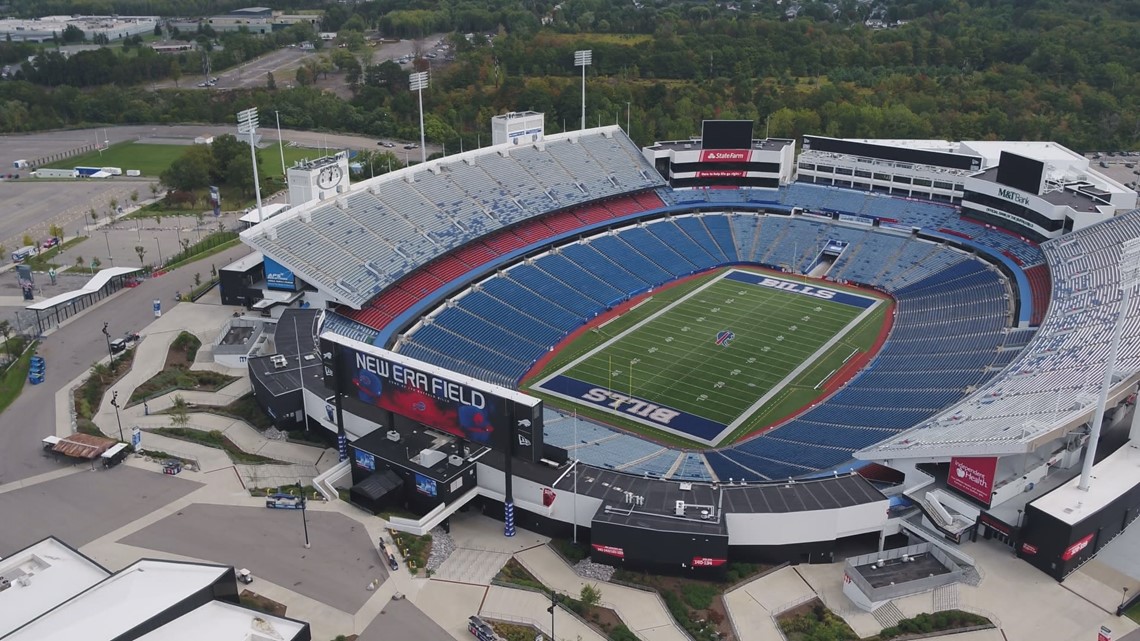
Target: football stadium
696	352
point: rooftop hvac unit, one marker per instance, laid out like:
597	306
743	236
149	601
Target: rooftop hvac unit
279	361
455	460
393	436
679	508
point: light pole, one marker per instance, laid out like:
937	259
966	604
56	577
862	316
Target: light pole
1129	278
1123	599
583	59
107	239
115	404
304	519
627	118
281	148
247	125
417	82
553	606
107	335
156	242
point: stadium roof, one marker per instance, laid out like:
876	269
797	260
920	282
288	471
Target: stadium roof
1053	384
384	227
220	621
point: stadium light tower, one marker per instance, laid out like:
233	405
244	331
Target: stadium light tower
1129	278
418	82
583	59
247	125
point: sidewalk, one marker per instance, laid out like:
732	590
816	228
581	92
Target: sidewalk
751	606
526	607
642	611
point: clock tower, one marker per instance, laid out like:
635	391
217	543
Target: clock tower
320	179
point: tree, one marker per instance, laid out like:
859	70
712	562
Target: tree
154	190
28	240
141	251
72	34
6	331
180	412
96	263
175	71
56	231
114	205
135	196
92	214
157	29
189	171
197	279
590	595
79	262
270	83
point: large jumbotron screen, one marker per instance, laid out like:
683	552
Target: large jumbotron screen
726	134
378	379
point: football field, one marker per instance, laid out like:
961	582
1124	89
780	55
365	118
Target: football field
700	366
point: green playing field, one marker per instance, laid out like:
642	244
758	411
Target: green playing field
724	350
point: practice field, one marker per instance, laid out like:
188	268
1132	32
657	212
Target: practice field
703	365
153	159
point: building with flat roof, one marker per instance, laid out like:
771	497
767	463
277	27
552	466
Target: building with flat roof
50	591
48	27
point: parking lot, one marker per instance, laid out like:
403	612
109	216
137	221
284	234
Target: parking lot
335	570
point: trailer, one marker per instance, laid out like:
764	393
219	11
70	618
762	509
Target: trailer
388	554
87	172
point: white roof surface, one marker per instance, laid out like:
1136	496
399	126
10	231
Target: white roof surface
245	262
120	602
944	146
1045	151
1113	476
55	572
219	621
95	284
267	212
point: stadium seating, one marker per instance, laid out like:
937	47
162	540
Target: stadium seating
950	333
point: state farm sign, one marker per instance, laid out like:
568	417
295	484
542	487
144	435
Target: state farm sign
1076	548
974	477
725	155
610	550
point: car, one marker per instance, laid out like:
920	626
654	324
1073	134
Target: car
389	145
411	145
284	502
51	242
119	344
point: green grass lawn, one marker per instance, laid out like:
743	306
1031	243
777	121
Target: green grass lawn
152	160
673	358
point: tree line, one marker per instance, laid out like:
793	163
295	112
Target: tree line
1052	69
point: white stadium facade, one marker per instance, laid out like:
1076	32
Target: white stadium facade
1003	258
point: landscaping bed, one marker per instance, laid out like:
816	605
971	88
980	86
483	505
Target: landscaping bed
216	440
513	573
414	548
813	621
245	409
944	621
88	396
13	379
260	603
177	375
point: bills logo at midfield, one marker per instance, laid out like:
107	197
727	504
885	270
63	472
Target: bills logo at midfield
799	288
723	338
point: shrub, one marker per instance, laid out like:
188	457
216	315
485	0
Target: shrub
698	596
622	633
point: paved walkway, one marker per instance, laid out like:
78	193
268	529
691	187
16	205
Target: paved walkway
642	611
752	605
526	607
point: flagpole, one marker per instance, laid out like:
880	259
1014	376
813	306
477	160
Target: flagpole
631	379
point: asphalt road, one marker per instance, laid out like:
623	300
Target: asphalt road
342	559
73	349
84	506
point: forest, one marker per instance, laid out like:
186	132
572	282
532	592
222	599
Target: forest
1064	70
